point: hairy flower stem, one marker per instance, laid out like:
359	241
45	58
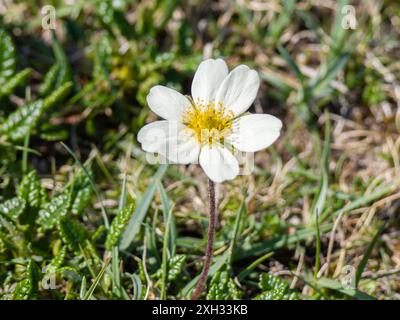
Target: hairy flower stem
209	249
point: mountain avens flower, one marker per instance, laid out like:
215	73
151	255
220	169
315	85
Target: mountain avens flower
207	127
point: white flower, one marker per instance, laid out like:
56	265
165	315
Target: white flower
206	127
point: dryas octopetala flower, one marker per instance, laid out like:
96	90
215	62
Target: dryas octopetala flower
208	126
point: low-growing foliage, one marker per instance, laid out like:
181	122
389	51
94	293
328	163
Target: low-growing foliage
85	215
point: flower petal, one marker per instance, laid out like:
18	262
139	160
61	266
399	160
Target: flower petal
153	136
184	148
207	79
239	89
251	133
218	163
167	103
170	139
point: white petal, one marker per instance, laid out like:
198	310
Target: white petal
251	133
170	139
218	163
239	89
207	79
153	136
167	103
183	148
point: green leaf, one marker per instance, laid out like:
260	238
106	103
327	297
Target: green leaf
49	132
166	206
175	267
96	281
83	290
22	120
14	82
57	95
222	287
218	263
276	295
59	74
12	208
82	192
277	26
72	233
102	59
22	290
7	58
33	275
113	17
54	210
321	83
291	63
26	117
30	190
82	199
239	214
137	218
137	287
2	244
249	250
337	286
49	80
56	263
367	254
275	288
323	188
271	282
27	288
118	225
338	33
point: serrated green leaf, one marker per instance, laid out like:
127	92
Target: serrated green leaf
54	210
33	275
30	190
81	193
22	290
49	80
102	59
2	244
275	288
14	82
57	95
53	133
27	288
277	295
81	200
113	17
72	233
222	287
7	58
118	226
271	282
22	120
56	263
175	267
12	208
59	74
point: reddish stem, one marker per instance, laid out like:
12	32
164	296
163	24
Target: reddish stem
209	248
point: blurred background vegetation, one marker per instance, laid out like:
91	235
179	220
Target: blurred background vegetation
82	211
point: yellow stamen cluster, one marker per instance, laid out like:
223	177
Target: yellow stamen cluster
209	122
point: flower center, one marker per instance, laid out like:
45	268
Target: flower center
210	123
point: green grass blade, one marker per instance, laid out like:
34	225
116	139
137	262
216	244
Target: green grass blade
367	254
141	210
